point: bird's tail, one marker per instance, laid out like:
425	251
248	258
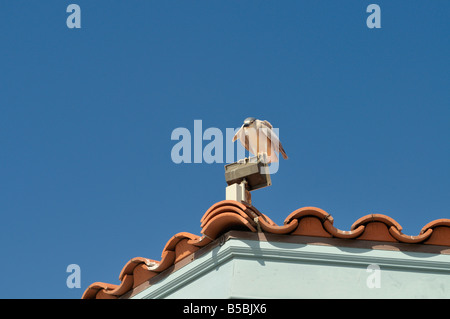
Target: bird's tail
283	153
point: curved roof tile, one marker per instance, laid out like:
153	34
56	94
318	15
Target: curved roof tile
97	290
343	233
309	211
398	235
275	229
133	263
231	215
388	221
436	223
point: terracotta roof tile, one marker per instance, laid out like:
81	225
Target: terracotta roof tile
388	221
275	229
98	290
399	236
231	215
128	269
440	234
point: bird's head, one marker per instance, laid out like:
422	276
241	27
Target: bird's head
248	121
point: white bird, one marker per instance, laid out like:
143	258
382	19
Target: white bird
258	137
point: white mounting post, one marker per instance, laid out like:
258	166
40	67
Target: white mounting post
238	192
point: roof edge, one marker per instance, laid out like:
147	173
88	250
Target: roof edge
310	224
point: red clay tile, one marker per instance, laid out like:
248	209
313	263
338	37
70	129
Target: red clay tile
398	235
309	211
102	294
142	274
228	209
388	221
275	229
95	290
377	231
125	285
435	223
224	222
342	233
184	249
310	226
217	205
173	242
168	257
128	269
440	236
200	241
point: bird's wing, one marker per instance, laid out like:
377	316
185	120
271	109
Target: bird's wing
243	138
267	141
273	138
282	151
246	143
279	147
249	140
271	151
238	133
266	123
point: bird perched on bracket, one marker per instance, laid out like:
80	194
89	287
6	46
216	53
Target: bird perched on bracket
258	137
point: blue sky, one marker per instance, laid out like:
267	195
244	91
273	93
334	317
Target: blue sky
86	116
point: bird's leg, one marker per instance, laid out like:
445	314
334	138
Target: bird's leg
263	157
242	160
